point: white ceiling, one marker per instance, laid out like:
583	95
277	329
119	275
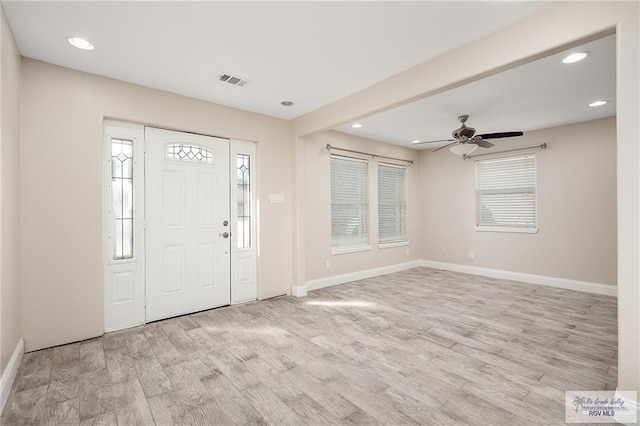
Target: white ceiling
312	53
541	94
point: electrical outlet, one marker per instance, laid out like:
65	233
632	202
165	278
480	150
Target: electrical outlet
406	252
328	264
472	255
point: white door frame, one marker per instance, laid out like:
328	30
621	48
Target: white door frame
124	280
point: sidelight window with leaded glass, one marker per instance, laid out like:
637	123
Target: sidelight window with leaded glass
122	197
243	172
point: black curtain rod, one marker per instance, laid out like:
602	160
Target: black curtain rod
329	148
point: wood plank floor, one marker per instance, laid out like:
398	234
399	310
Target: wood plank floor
416	347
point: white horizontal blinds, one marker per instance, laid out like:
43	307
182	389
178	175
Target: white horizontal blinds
349	202
506	193
392	204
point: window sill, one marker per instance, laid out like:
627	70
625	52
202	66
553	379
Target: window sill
508	230
349	249
395	244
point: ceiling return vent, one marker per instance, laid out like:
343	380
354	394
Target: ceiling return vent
233	79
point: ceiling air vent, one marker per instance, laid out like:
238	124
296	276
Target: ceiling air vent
233	79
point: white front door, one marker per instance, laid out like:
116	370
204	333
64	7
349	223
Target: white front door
187	223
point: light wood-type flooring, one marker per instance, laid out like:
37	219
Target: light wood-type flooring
416	347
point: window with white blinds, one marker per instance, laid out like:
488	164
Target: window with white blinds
506	194
392	204
349	203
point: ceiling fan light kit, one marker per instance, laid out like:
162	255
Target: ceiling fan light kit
463	149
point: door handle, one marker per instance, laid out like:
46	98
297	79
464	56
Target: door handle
225	235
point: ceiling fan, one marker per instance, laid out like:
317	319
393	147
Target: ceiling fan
465	140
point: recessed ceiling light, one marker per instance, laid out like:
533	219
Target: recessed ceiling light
416	141
356	125
598	103
286	103
575	57
80	43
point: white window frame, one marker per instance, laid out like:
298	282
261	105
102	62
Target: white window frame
342	247
484	227
399	240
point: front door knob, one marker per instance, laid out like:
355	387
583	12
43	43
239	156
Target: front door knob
225	235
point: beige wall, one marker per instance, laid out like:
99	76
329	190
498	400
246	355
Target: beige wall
576	177
572	23
11	297
62	137
317	206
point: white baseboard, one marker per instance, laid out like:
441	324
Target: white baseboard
585	286
360	275
299	290
9	375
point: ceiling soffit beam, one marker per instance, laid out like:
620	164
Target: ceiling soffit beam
558	28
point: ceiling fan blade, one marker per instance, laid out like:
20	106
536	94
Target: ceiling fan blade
482	143
500	135
441	140
443	147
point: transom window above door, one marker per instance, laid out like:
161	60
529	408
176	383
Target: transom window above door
187	152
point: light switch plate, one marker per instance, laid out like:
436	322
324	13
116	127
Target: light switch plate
276	198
